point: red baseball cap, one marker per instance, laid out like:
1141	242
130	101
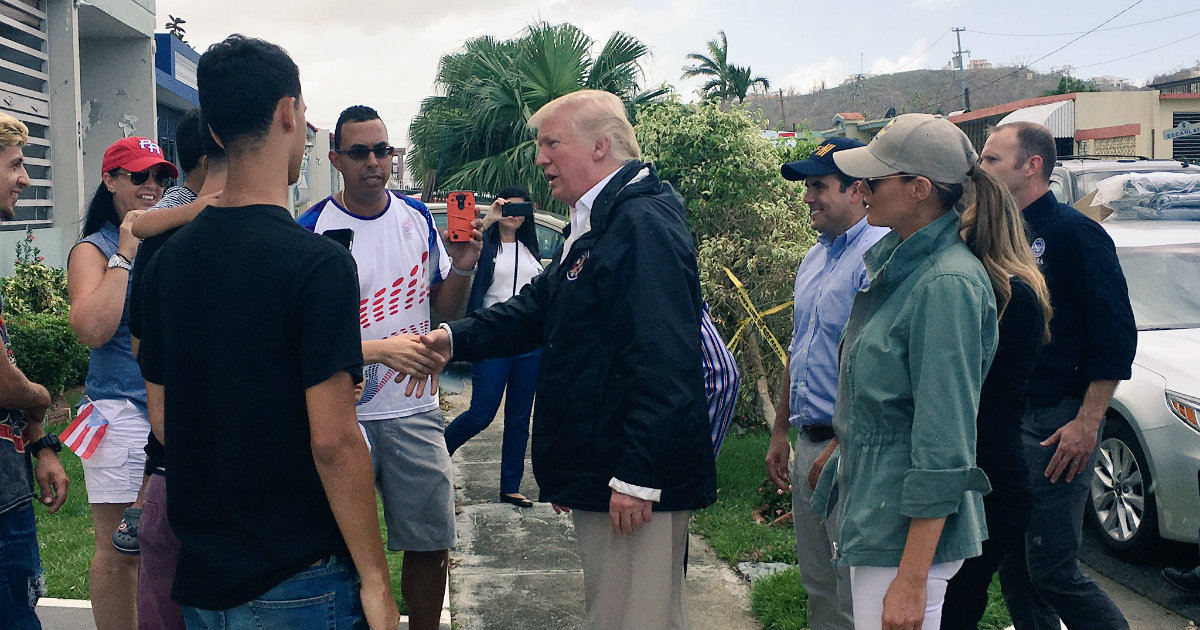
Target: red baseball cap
136	154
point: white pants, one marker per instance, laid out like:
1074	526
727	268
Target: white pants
870	584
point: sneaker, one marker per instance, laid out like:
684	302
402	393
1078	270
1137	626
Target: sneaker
125	539
1186	581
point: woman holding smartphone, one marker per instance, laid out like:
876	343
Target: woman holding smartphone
510	260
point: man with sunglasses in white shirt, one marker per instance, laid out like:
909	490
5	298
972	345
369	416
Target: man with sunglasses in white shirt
404	269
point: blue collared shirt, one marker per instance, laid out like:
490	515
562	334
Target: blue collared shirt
830	275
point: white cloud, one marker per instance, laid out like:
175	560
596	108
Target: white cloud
936	4
809	77
916	58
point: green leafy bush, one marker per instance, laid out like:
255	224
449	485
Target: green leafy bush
36	305
34	287
47	350
744	216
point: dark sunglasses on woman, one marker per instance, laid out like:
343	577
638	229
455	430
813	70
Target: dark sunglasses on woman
137	179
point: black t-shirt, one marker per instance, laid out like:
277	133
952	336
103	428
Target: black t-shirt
244	310
137	295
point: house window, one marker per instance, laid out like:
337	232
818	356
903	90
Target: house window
24	94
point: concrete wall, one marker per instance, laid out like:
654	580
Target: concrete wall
101	87
1112	109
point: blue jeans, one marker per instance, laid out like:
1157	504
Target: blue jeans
21	579
488	381
1049	584
322	596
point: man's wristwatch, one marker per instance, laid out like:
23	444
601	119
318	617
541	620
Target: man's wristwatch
49	441
462	272
117	260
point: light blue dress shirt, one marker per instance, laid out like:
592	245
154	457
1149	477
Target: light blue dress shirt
830	275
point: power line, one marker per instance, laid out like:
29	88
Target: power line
1098	63
1015	71
922	53
1111	28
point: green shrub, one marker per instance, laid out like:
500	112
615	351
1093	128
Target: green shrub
34	287
47	350
779	601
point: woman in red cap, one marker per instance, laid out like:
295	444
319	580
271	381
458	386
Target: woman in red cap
98	273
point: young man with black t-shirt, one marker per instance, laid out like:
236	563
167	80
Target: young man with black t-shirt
251	349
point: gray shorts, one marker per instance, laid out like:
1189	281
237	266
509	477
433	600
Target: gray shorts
413	476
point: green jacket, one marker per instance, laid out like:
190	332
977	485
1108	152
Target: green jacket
913	357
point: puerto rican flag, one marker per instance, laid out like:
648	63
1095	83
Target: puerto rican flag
84	433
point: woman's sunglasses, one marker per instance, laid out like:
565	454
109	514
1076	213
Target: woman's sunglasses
137	179
869	182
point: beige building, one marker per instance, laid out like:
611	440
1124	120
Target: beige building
1132	123
1159	123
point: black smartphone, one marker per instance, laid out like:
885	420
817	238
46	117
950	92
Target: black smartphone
517	209
345	236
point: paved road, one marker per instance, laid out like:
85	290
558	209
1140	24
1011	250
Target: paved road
1141	574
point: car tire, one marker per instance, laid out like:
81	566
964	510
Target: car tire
1121	505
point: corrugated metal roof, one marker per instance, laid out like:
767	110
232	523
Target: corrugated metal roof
1058	117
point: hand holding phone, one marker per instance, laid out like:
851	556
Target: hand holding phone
460	212
345	236
517	209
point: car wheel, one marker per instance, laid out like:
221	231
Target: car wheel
1121	505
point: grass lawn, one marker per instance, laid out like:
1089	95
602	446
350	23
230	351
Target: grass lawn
65	538
778	601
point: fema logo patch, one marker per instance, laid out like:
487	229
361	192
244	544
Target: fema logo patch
573	273
1038	247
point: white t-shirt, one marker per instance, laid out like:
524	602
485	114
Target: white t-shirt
515	267
392	252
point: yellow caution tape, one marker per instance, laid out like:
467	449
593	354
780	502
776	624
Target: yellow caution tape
757	318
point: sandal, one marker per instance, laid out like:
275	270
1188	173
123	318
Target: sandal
125	539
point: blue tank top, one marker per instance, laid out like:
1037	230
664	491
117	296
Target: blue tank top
112	370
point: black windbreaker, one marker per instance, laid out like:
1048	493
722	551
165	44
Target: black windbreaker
621	391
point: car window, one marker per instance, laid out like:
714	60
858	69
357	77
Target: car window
1164	285
548	240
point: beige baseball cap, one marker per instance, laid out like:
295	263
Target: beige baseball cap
917	144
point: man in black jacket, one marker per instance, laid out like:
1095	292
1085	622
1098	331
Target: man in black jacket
621	425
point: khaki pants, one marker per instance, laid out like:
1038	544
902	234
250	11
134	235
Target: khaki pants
633	581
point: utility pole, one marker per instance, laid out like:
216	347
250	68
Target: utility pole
962	67
782	111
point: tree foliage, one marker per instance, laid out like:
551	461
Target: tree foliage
723	80
1069	85
474	129
744	216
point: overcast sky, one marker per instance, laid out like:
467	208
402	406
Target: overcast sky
385	53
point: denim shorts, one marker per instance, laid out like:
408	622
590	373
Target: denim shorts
324	595
21	579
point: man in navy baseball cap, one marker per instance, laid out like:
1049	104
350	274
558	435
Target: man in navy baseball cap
820	162
830	275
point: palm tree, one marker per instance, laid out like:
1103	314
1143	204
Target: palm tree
713	67
740	82
474	130
724	80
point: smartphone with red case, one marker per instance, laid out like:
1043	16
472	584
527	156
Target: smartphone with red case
460	212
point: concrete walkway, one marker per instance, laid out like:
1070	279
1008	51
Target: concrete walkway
517	568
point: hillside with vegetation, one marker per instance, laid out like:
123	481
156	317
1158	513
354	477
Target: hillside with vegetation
931	91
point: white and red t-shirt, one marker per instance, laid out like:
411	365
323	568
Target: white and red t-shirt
394	279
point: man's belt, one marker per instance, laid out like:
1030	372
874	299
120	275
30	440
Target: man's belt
818	432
